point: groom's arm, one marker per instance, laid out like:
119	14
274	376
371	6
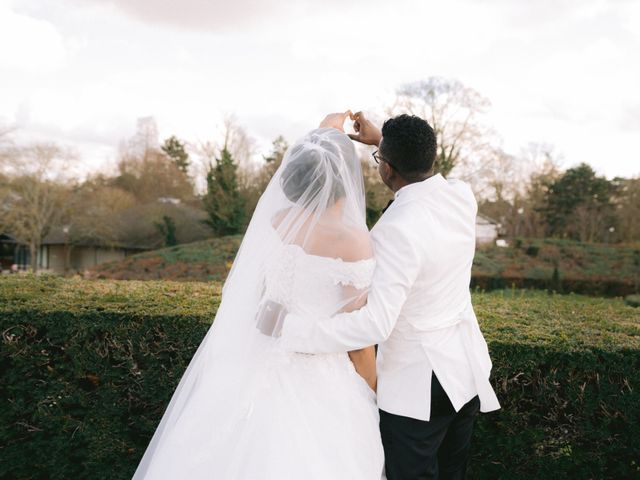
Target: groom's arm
397	266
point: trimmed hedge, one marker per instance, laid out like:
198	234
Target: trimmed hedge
606	287
87	368
633	300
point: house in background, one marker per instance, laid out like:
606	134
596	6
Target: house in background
12	252
52	253
83	255
135	231
487	230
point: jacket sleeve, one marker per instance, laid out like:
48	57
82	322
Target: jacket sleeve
397	267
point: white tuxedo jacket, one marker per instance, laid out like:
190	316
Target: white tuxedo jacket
419	306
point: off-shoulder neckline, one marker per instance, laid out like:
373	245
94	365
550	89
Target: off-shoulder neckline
336	259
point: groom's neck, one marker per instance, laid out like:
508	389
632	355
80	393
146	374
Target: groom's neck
398	185
399	182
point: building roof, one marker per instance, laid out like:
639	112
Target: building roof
484	220
6	238
57	237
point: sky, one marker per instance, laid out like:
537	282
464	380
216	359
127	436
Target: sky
81	72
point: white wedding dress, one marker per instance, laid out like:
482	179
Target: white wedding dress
245	409
311	416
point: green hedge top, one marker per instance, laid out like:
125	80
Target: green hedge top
48	293
562	322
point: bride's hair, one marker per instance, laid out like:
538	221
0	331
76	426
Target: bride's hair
313	168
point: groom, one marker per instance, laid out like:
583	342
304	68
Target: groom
433	362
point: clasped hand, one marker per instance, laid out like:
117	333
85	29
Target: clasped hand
365	131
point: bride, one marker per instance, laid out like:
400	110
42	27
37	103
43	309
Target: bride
244	408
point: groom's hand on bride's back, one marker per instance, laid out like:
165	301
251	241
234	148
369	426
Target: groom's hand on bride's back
366	131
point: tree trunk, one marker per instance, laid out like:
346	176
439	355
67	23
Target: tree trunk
67	258
33	251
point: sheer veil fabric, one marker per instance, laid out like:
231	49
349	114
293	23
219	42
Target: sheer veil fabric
313	204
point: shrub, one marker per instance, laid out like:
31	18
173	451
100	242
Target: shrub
532	250
87	368
633	300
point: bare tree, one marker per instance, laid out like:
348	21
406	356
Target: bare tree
147	172
628	209
34	197
542	165
146	139
237	141
454	112
92	214
5	153
504	177
234	138
516	187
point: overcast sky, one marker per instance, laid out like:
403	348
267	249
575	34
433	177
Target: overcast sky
80	72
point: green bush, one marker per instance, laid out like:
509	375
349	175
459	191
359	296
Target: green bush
532	250
585	286
633	300
87	368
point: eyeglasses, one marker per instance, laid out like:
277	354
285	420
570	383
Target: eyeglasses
377	159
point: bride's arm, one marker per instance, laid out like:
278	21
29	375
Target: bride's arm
364	359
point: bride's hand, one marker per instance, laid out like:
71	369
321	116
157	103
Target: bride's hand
336	120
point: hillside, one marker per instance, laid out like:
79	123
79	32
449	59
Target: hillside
611	269
562	265
205	260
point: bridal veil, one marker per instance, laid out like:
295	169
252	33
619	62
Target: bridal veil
317	192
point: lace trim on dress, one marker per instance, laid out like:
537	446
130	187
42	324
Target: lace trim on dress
358	273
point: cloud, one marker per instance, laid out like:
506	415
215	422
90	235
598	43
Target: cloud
629	120
553	69
28	44
214	15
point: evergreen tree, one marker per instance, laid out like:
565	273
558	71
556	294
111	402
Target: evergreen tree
175	149
223	202
272	163
280	146
579	205
167	229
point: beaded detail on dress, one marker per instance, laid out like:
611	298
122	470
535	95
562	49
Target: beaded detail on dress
306	283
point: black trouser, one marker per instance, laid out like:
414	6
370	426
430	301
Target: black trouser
435	449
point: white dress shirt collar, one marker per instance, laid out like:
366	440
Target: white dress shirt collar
422	187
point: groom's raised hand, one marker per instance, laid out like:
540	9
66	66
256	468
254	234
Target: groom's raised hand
366	132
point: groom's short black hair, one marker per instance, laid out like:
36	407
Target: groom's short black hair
410	144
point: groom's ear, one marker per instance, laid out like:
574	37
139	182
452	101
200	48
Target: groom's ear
386	170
